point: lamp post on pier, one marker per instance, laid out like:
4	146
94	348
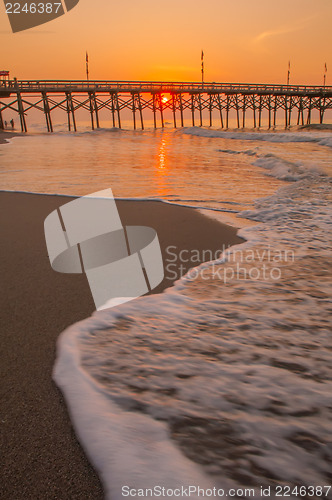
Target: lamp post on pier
288	74
202	70
87	66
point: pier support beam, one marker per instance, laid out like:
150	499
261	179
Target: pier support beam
227	110
95	104
70	111
21	112
47	112
300	116
161	110
260	112
133	108
321	110
93	110
113	109
20	107
117	105
275	111
290	111
237	111
2	126
244	111
200	110
220	111
286	112
174	109
181	110
154	110
140	110
254	109
269	111
193	110
309	112
136	99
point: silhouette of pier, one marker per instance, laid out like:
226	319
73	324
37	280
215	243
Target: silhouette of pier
252	105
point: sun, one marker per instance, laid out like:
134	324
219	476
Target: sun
165	99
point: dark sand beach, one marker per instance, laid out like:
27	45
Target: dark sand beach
6	135
40	455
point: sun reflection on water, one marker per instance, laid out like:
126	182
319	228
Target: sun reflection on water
162	166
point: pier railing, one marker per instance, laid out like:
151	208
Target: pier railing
166	87
197	98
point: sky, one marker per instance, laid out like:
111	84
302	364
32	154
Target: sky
247	41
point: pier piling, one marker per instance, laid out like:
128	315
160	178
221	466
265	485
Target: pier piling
47	112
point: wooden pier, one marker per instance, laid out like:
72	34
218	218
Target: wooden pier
208	104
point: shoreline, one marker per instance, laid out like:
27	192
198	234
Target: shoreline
38	435
6	135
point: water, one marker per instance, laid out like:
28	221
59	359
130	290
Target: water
235	390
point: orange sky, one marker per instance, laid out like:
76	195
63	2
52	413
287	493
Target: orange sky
243	40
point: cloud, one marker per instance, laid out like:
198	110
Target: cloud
284	30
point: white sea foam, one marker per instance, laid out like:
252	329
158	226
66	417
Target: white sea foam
286	170
219	380
248	152
126	448
321	138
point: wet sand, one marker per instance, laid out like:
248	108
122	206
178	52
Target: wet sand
41	457
5	136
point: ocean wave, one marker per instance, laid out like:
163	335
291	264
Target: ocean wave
278	167
248	152
126	448
239	380
321	138
286	170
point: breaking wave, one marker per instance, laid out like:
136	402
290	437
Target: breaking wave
321	138
226	377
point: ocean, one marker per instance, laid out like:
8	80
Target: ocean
224	380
